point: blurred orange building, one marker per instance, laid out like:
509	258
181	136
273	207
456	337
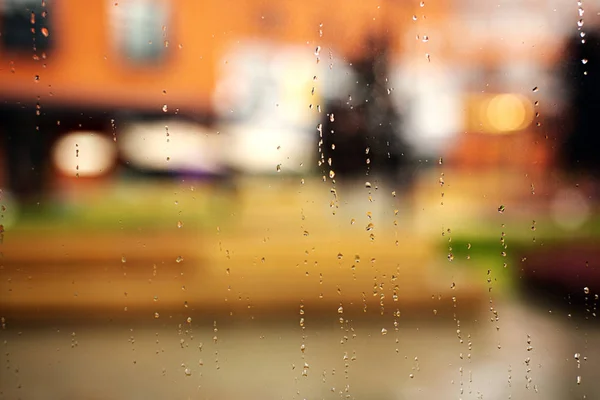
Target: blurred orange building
147	53
162	56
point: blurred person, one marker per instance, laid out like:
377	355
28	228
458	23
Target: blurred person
361	132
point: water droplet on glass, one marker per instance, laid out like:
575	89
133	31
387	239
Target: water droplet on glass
188	372
179	224
501	209
383	331
165	108
179	259
579	379
535	89
45	32
586	290
584	61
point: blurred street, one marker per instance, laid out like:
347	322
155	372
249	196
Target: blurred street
102	316
262	358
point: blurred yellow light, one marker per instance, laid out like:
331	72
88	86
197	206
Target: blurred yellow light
506	113
86	154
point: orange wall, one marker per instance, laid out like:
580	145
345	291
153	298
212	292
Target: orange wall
84	68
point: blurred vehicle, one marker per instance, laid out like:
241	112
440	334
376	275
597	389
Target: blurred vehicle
567	273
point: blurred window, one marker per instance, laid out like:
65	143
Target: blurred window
25	25
140	30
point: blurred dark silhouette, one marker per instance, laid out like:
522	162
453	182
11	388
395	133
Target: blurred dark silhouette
363	136
582	82
27	153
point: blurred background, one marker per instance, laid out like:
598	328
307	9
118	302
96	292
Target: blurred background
292	200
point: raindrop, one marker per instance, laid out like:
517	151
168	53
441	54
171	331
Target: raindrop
586	290
188	372
584	61
165	108
501	209
45	32
535	89
383	331
179	259
179	224
579	379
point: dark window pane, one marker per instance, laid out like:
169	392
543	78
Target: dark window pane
25	26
